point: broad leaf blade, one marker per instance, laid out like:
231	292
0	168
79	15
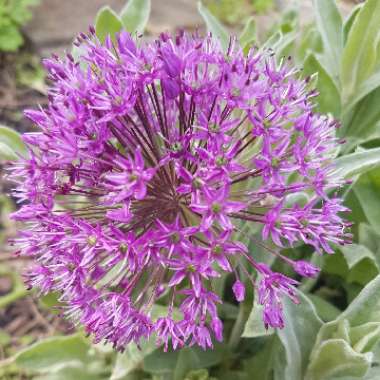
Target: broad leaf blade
329	24
107	23
52	352
367	190
131	359
11	144
298	336
329	97
364	88
359	54
356	163
214	26
248	35
135	15
336	358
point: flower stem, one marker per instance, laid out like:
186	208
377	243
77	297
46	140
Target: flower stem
238	327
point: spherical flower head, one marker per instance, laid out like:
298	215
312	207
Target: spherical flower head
148	159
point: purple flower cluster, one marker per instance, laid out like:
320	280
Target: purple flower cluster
148	162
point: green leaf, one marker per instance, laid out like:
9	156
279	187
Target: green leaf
356	163
280	43
71	372
248	35
107	23
365	307
11	144
364	88
18	289
365	337
201	374
187	361
361	263
310	42
329	97
350	21
183	361
335	357
365	118
254	326
354	253
131	359
298	336
10	37
6	153
260	366
51	353
135	15
329	25
370	238
326	311
160	362
214	26
359	54
367	190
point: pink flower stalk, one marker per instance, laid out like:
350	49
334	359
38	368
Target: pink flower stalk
148	161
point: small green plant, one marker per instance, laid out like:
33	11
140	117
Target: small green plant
13	15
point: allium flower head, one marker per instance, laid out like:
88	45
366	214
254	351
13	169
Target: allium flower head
148	161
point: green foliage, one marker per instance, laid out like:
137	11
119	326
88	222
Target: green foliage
214	26
235	11
133	18
135	15
13	15
11	144
107	23
17	286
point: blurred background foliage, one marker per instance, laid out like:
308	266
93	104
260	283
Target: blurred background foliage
335	332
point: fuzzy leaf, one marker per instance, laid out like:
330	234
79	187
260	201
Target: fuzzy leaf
254	326
329	25
335	357
248	35
107	23
359	54
53	352
298	336
214	26
356	163
364	88
131	359
329	97
135	15
364	119
354	253
11	144
10	37
367	190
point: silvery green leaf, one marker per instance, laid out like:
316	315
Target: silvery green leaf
336	357
107	23
357	163
214	26
360	51
135	15
298	336
329	25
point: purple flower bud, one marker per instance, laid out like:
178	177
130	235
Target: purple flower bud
239	290
305	269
